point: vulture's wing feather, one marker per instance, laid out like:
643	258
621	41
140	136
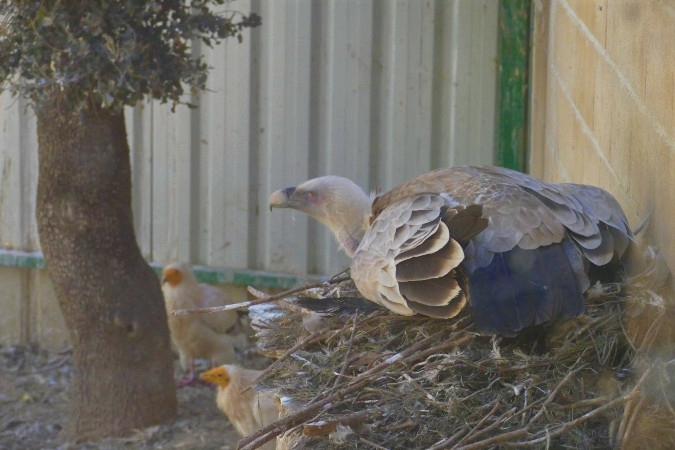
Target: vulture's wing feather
440	312
431	291
436	181
418	270
517	248
530	213
431	264
467	223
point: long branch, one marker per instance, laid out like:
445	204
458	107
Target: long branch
329	425
258	301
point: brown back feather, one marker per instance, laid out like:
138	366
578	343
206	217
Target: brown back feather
436	181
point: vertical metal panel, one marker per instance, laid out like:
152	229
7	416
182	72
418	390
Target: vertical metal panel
18	228
18	174
376	72
378	91
11	120
465	81
139	133
375	90
172	159
279	141
340	124
224	139
414	149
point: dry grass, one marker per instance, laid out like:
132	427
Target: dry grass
387	381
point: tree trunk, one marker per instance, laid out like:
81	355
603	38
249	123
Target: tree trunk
110	298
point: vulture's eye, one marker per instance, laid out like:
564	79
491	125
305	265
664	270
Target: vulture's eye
312	195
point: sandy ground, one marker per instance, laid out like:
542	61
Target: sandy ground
34	404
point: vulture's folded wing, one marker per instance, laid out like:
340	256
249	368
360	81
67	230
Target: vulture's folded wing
409	259
531	213
526	260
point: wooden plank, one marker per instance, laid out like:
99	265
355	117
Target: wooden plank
345	72
324	118
50	329
13	320
361	92
18	174
539	88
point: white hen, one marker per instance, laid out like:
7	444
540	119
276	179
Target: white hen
197	335
247	409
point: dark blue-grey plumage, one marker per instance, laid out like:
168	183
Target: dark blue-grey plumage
522	288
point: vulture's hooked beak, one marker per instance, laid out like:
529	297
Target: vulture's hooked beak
281	198
163	280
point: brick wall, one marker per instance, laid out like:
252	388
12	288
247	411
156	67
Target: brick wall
603	103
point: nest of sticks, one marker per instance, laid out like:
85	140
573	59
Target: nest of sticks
366	377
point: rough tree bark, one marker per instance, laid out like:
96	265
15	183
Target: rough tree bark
110	297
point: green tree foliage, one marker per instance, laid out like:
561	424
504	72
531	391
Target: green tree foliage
80	62
113	52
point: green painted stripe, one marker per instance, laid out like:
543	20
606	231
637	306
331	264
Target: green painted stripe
257	278
514	52
25	260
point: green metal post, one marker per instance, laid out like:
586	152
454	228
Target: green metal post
514	46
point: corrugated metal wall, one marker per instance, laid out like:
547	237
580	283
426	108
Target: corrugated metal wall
378	91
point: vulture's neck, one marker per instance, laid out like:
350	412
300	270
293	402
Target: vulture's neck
349	225
349	240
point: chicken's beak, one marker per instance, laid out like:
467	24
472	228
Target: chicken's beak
207	377
281	198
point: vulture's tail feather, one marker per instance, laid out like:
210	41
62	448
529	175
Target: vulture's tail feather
522	288
632	261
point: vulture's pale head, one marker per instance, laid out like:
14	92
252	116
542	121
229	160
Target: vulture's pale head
337	202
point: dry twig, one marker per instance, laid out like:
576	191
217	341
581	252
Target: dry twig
262	298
